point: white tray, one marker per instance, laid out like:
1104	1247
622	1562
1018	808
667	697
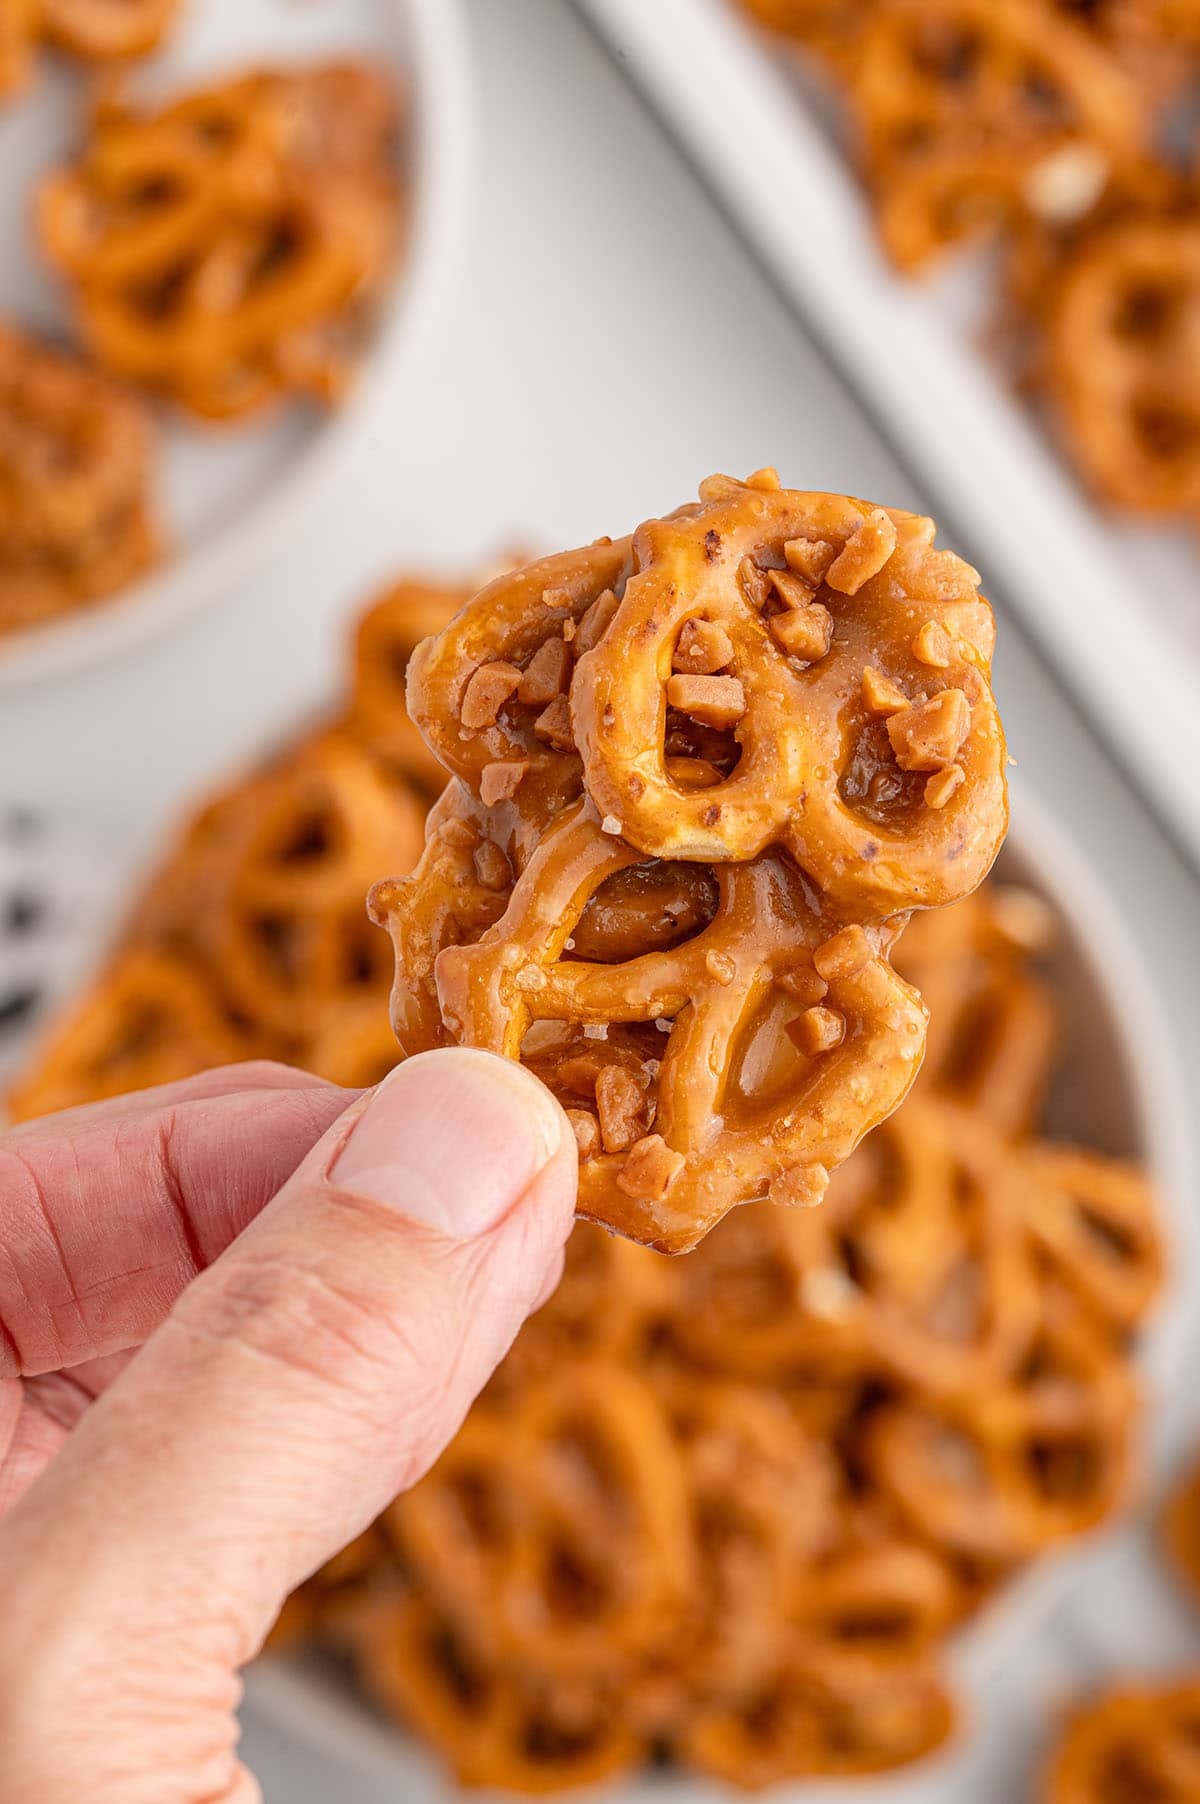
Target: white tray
237	498
1115	610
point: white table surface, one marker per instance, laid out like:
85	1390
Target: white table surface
609	346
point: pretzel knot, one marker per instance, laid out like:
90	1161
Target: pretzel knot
700	773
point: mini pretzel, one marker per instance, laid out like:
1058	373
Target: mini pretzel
288	930
496	1726
221	251
1031	1462
962	105
1095	1223
801	1724
151	1020
992	1026
76	517
1134	1742
1121	366
632	922
388	634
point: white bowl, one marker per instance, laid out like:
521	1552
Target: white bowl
240	498
1120	1091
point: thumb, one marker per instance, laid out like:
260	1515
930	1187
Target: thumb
317	1368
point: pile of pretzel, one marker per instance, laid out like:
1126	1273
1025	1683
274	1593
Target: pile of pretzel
1061	130
251	939
223	251
727	1509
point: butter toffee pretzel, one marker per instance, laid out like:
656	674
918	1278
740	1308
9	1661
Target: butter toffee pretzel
699	778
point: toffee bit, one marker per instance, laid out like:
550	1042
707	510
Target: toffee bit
650	1170
702	648
864	554
500	781
715	701
486	693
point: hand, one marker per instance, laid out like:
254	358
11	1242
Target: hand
237	1315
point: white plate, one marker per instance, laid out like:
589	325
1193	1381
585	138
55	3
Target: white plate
1119	1090
1114	609
236	498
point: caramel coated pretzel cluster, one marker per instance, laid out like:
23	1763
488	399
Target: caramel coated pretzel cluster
77	519
729	1508
223	251
697	777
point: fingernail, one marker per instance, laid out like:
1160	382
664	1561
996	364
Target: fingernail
451	1139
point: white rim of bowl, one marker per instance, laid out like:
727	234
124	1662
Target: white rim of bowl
443	149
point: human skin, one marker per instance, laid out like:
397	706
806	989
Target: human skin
237	1315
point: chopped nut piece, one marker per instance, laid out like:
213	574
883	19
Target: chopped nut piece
586	1130
610	824
547	673
486	693
703	647
804	633
864	554
492	867
804	984
715	701
927	735
619	1103
720	488
650	1170
499	781
596	622
800	1188
766	479
809	558
720	967
941	786
553	725
530	978
845	955
880	695
692	773
932	646
817	1030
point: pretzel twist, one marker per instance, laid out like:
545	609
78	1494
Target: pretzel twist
221	250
